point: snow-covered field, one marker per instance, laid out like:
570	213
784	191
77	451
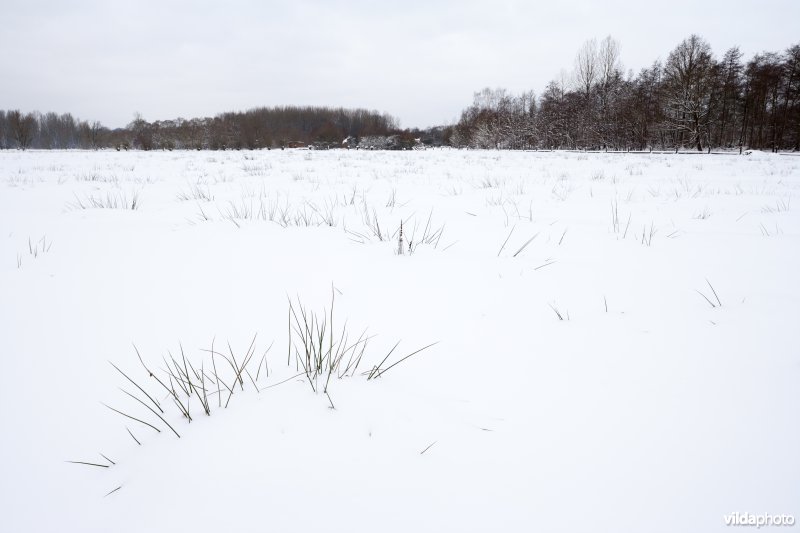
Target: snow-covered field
634	367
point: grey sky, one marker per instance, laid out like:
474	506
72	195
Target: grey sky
420	61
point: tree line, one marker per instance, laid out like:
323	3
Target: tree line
690	101
48	131
265	127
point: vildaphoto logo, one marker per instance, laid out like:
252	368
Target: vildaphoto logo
758	520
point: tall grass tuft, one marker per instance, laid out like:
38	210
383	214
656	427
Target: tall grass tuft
321	352
118	200
707	299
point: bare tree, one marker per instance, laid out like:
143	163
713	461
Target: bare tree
688	80
608	62
586	67
4	135
791	74
141	132
90	134
23	128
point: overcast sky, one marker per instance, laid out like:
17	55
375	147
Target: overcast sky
418	60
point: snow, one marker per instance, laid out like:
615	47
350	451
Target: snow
645	409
